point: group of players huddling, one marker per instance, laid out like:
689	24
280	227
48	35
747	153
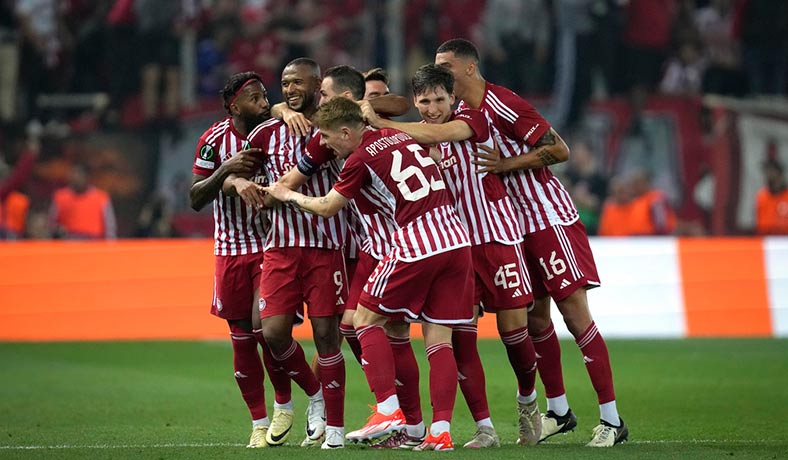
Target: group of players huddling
324	201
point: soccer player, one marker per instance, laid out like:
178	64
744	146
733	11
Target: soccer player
425	274
239	234
501	282
302	263
344	81
556	246
376	83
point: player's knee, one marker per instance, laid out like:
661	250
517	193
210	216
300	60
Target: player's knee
577	316
240	326
537	324
397	329
278	340
326	338
509	320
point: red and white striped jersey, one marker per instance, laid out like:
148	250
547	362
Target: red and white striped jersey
362	218
481	199
290	226
539	198
238	229
394	181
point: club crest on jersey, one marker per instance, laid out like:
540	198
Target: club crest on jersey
262	304
206	152
245	145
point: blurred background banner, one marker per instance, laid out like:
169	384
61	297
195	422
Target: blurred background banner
684	98
659	287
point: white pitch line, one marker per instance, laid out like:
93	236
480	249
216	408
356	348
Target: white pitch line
123	446
220	444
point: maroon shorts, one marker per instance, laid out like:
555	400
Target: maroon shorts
560	261
350	267
438	289
235	281
501	281
365	265
292	277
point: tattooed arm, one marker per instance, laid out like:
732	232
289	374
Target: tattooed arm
548	150
324	206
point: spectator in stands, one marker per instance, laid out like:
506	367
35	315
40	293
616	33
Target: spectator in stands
159	27
771	203
155	219
614	219
721	48
575	60
647	39
684	72
259	48
81	211
14	205
763	28
650	212
517	55
9	56
13	209
120	44
587	185
43	37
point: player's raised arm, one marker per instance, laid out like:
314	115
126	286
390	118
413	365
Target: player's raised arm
392	105
297	122
324	206
548	150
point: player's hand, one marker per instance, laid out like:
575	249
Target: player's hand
245	162
488	160
369	113
278	191
296	122
251	193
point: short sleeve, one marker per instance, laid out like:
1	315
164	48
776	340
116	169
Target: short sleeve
477	122
352	177
206	159
315	156
529	125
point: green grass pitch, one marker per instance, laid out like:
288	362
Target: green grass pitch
178	400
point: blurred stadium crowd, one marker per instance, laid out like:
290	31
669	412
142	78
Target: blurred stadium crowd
78	75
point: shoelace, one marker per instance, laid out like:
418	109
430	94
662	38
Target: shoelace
603	432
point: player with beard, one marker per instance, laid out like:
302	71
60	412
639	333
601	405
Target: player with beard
238	234
303	263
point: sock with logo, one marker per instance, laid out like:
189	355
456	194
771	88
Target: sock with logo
470	371
349	333
406	373
597	360
249	373
277	374
377	360
332	374
522	358
548	361
443	380
294	363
